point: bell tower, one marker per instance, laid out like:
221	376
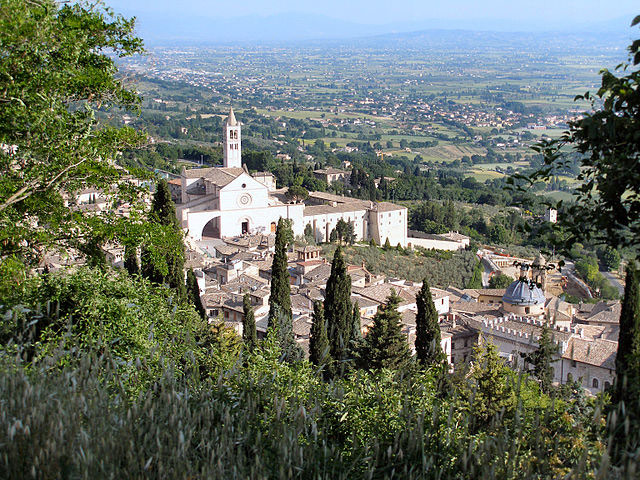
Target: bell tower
231	143
539	271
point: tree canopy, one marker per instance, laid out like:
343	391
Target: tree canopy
57	69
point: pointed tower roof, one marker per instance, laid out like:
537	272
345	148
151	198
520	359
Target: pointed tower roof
231	119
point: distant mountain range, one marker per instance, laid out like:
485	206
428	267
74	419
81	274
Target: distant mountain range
158	29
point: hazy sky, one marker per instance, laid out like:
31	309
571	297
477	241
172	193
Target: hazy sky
534	12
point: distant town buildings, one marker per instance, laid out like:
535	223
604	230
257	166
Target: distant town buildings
228	201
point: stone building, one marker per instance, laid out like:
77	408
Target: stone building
228	201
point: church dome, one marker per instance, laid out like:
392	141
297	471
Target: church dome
522	294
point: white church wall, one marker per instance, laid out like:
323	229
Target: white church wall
389	224
437	244
324	223
243	192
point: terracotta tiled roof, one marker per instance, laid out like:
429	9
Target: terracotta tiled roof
599	352
605	312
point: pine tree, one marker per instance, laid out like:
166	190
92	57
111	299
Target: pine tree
280	287
249	334
492	393
385	346
319	343
338	309
428	348
131	260
625	420
193	294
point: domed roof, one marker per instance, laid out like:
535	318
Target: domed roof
521	293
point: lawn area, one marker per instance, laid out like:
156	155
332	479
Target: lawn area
482	175
558	195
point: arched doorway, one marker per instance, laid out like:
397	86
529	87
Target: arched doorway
211	229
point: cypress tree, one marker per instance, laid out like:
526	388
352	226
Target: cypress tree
428	348
162	207
476	279
163	213
385	346
193	294
626	393
319	343
542	358
131	260
338	309
280	298
249	334
355	343
356	324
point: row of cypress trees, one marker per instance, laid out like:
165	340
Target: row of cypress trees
336	343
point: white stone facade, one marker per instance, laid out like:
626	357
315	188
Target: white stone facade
227	201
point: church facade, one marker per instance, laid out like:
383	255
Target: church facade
229	201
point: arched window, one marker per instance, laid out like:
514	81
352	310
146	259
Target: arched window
607	385
595	383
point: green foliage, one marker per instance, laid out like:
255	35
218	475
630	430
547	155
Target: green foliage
249	334
270	419
385	346
54	75
297	193
428	349
261	161
587	268
280	333
280	285
476	279
500	281
338	311
131	264
625	415
319	354
542	358
193	294
492	392
163	250
442	268
610	257
92	309
344	232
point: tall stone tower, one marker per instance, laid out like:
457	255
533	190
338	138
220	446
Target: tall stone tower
231	144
